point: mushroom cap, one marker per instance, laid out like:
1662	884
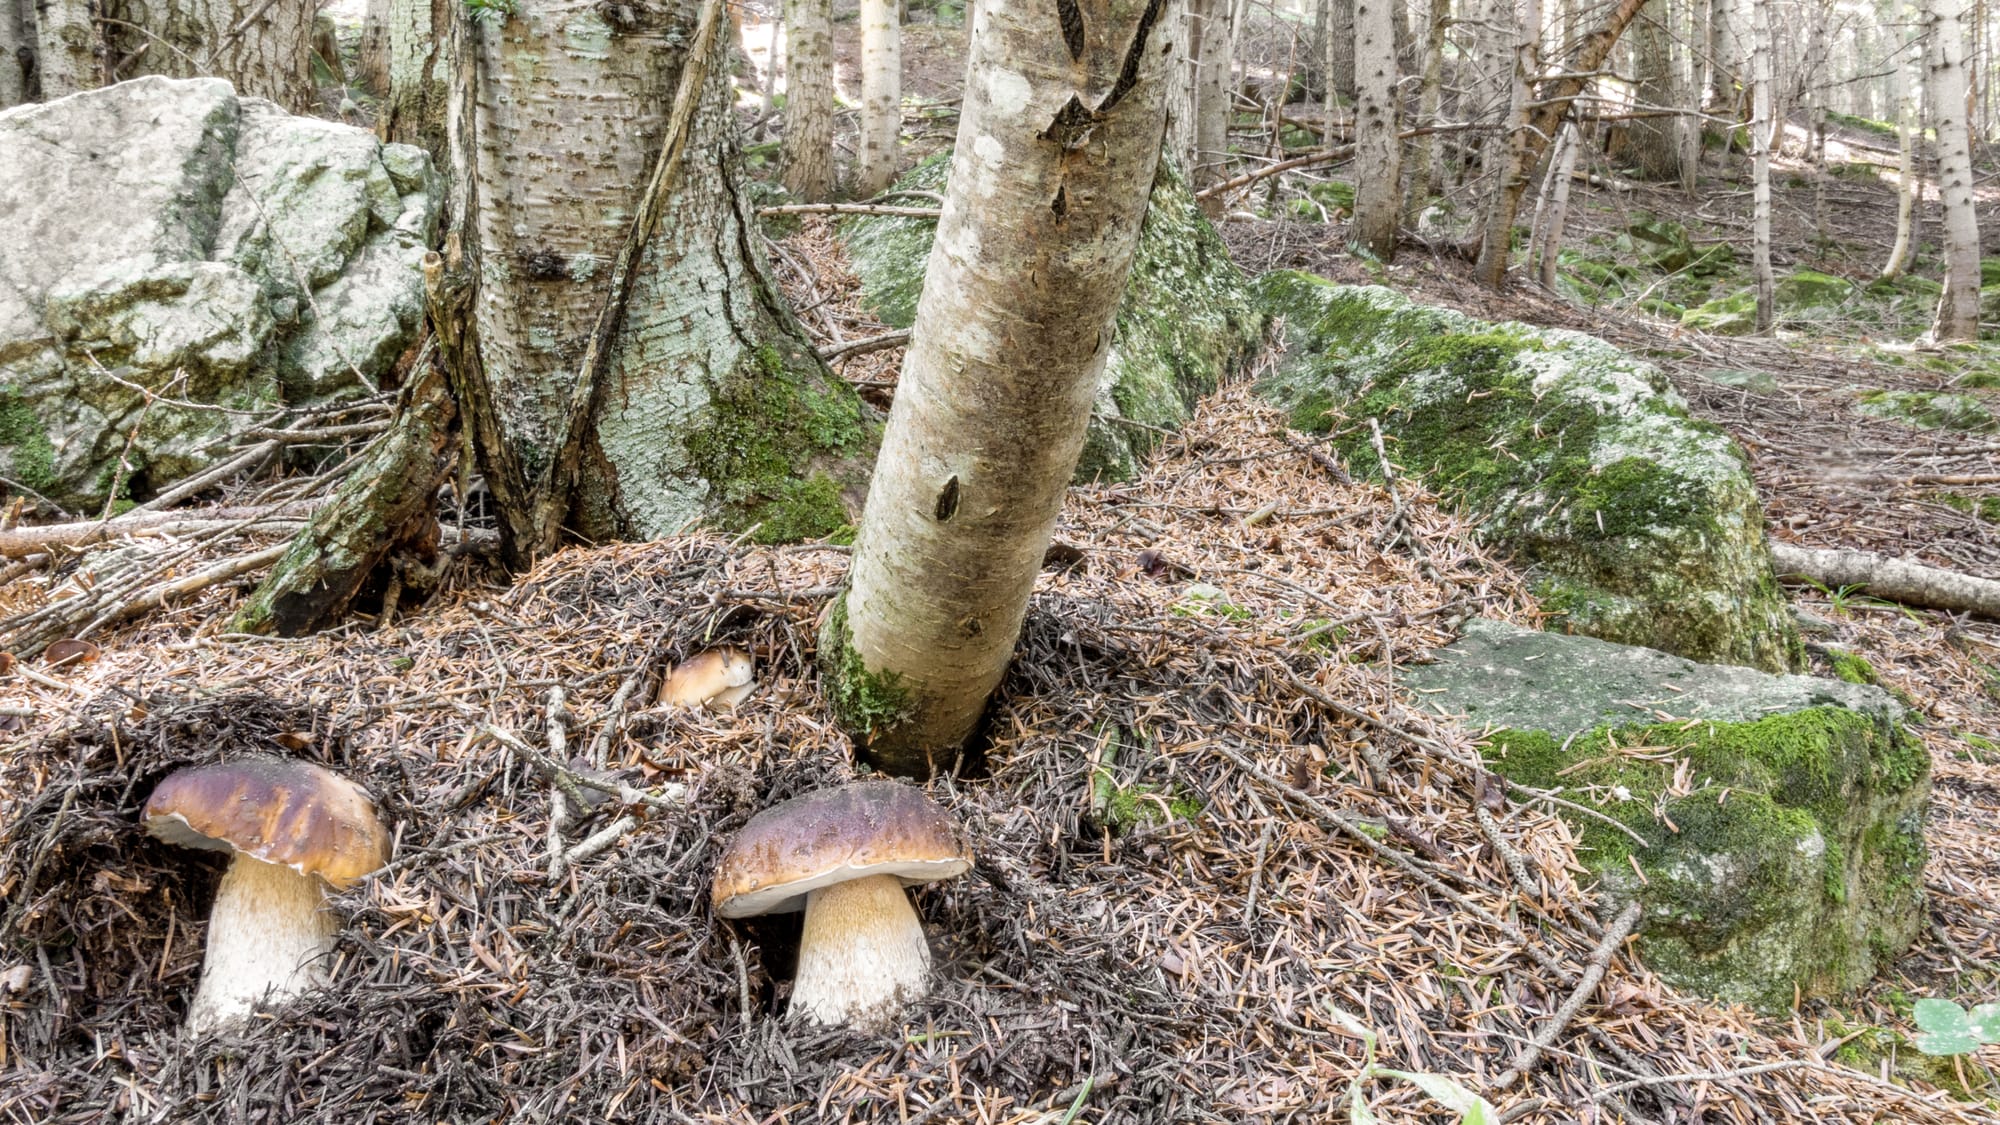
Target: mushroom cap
277	810
850	832
718	675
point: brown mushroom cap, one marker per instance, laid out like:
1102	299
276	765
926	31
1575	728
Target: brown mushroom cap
851	832
717	676
278	810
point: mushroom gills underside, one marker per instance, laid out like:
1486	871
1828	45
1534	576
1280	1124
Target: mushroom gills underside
268	936
862	955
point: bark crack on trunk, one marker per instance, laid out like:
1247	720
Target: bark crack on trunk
1128	74
1072	27
947	501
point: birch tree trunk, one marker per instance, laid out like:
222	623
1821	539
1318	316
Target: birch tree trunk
372	63
1427	158
1861	88
881	96
69	51
1516	148
1378	153
419	74
16	50
807	150
1958	309
1057	146
1340	50
1692	78
1763	131
1208	43
264	51
711	403
1903	66
1549	238
1654	141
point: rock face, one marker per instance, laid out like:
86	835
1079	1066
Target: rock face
1783	815
1638	523
168	237
1187	320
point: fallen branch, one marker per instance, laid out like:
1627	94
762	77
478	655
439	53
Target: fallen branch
850	209
24	541
853	348
1600	960
1896	580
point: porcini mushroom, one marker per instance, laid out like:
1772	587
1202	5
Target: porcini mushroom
844	855
717	679
294	829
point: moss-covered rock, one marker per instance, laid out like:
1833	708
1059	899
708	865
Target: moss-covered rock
1782	816
1186	322
1931	410
1805	297
1638	523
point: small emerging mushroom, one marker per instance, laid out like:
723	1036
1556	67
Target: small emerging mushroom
717	679
844	855
294	829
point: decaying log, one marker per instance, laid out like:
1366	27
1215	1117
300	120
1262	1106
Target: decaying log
22	542
1896	580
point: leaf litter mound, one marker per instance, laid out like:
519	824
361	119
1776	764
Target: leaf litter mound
1210	837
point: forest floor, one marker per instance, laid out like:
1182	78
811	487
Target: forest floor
1218	850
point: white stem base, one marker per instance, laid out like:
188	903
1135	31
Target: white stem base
267	935
862	956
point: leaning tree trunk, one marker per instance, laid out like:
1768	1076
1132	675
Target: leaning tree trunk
703	399
881	96
69	51
1903	66
263	49
1057	145
1654	142
1378	153
1958	309
1763	133
807	150
1550	109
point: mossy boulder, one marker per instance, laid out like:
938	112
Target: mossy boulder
1803	298
1930	410
1782	816
169	244
1186	322
1638	523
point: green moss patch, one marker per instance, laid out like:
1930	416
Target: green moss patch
1931	410
1639	522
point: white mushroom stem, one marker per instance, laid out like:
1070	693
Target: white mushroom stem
862	956
268	935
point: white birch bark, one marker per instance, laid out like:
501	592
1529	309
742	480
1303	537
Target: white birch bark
881	96
1514	149
1762	133
1427	155
1958	309
68	47
1208	33
419	73
807	150
1057	145
1904	67
1549	237
1378	154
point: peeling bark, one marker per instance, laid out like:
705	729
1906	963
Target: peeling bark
1057	145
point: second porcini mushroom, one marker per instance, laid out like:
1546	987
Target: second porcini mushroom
294	829
844	856
717	679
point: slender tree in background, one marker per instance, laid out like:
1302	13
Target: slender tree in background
807	149
68	49
1549	108
1958	309
1202	122
1654	142
881	96
1061	129
1513	152
1427	157
419	74
372	56
1378	153
1904	67
16	52
1763	131
1339	54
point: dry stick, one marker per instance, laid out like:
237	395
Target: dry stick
850	209
22	542
1517	864
1600	960
551	493
558	801
1896	580
865	345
